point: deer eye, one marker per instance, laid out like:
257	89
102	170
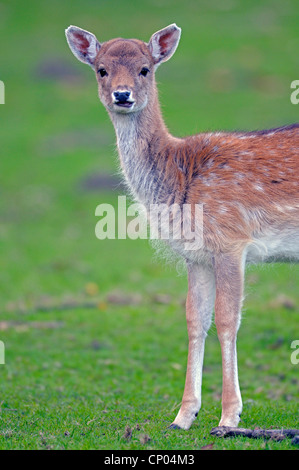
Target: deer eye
144	71
102	72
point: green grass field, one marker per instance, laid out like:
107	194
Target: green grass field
94	331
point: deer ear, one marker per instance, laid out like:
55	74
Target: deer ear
84	45
163	43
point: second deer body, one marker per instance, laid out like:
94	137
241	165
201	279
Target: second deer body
246	182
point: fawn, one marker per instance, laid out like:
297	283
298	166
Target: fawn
246	182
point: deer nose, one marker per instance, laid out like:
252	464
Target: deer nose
121	96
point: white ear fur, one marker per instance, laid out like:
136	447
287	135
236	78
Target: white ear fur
163	43
84	45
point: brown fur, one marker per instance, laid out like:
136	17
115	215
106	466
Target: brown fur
247	183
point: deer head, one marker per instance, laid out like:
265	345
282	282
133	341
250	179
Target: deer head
125	68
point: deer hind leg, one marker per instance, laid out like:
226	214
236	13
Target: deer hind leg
229	274
199	309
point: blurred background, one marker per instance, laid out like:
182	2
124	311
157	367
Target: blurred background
232	70
58	161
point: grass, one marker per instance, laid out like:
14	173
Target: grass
94	331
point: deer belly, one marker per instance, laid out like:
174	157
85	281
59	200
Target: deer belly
282	246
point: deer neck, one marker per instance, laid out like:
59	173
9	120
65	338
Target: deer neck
141	138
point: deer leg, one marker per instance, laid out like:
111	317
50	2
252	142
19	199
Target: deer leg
229	274
199	309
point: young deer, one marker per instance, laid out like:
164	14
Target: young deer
246	182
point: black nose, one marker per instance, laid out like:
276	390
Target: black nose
122	96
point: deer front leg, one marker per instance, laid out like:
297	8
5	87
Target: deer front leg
199	309
229	273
